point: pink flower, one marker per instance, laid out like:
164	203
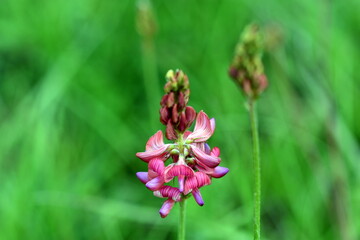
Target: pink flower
194	164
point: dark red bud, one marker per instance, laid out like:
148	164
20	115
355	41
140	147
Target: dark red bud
164	115
175	114
170	100
182	122
233	72
190	115
181	101
163	101
170	131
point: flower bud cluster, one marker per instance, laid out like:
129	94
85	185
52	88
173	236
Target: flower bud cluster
193	162
247	69
174	113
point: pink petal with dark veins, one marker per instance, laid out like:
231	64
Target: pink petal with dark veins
215	152
208	160
150	154
202	179
176	171
203	168
155	147
157	165
168	192
190	184
155	141
202	131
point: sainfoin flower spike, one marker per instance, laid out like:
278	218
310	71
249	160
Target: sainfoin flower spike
193	163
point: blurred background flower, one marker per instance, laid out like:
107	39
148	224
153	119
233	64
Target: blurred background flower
80	83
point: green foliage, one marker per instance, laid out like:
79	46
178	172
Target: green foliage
79	96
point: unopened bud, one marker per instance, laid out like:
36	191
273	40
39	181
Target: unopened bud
181	101
163	101
164	115
170	131
170	100
182	122
190	115
174	114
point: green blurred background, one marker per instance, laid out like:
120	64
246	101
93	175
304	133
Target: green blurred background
80	85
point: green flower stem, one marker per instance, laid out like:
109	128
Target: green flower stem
256	166
181	234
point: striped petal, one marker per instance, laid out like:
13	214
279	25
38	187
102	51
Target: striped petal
155	147
166	208
203	168
190	184
156	167
200	179
203	130
176	171
168	192
208	160
215	152
155	141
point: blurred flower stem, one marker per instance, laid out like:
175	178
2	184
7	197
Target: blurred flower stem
146	27
256	167
181	233
247	72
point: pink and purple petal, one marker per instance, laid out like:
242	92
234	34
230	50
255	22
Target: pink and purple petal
166	208
155	184
197	195
208	160
181	180
142	176
219	172
212	125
